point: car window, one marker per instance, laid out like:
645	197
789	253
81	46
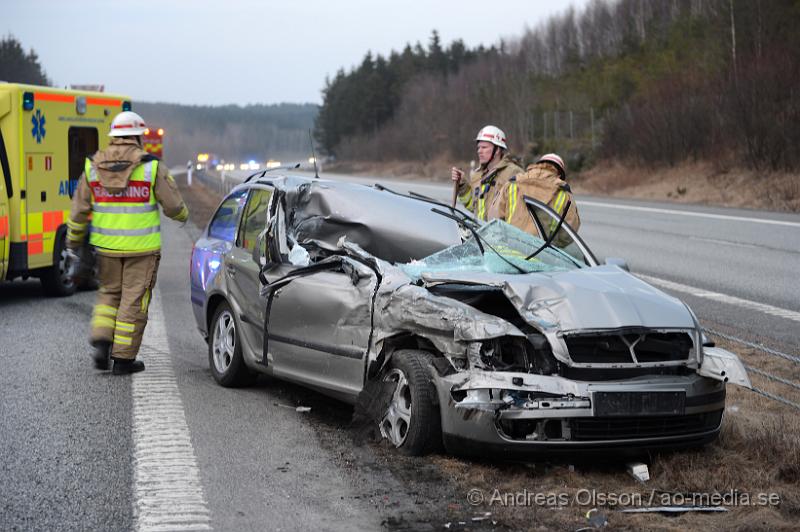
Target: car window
223	225
254	219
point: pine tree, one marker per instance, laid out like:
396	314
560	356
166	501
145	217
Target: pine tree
18	67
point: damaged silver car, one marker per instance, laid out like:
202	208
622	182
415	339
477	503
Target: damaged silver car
448	330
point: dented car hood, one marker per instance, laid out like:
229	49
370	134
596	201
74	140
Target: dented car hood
602	297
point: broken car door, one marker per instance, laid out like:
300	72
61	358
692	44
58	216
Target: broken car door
319	322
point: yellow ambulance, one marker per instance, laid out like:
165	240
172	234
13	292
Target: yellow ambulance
45	136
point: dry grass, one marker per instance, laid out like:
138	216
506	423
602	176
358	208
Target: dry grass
435	170
201	201
694	183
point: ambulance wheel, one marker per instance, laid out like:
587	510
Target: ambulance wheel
225	350
54	279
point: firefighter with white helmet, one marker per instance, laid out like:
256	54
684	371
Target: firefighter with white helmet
544	180
120	189
495	169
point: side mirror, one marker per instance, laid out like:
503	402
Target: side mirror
622	263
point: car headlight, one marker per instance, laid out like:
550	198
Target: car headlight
530	354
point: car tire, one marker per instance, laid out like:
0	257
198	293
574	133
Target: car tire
411	420
225	350
54	279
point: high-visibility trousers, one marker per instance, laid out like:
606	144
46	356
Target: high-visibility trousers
120	315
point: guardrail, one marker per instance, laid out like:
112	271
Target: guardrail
758	371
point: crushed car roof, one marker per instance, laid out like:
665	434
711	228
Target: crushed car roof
389	226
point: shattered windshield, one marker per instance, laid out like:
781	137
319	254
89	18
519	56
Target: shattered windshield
499	238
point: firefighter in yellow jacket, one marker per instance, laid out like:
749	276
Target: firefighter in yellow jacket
496	168
121	188
544	180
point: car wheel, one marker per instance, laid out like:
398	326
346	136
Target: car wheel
54	279
411	420
225	350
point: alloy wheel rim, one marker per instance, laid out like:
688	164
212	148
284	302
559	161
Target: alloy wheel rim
397	419
224	341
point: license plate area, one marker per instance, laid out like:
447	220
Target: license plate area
610	404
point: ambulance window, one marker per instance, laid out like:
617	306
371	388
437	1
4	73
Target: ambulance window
254	219
223	225
82	143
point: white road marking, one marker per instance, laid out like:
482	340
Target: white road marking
581	203
722	298
168	492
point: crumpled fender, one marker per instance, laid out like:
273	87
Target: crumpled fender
449	324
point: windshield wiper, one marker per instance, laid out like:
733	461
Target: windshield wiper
463	215
478	239
466	226
553	233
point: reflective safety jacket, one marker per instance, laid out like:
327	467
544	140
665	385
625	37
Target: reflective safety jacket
485	185
542	182
127	220
118	194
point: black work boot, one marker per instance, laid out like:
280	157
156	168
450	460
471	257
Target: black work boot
124	367
102	352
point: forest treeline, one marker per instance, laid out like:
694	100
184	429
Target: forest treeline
648	81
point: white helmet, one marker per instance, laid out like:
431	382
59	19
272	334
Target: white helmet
127	124
494	135
556	161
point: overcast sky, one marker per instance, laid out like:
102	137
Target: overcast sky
243	51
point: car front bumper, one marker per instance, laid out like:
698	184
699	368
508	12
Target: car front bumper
478	416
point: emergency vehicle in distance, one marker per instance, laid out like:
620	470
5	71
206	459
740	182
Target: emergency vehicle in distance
45	136
153	141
